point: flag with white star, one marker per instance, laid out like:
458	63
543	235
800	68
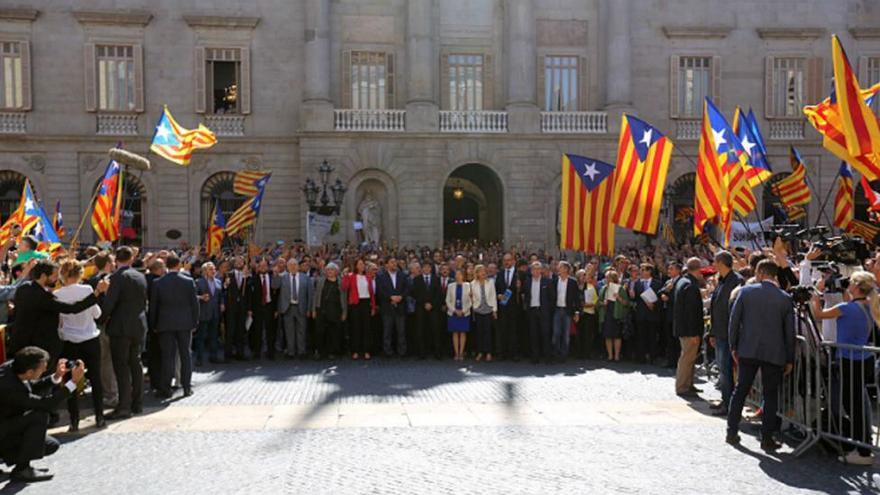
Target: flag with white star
173	142
747	133
585	207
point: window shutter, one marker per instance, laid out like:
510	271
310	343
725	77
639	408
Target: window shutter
138	52
389	81
345	90
245	89
539	83
444	82
863	72
90	76
583	88
488	82
815	80
769	88
199	71
26	74
716	79
674	62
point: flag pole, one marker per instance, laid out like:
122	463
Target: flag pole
82	221
822	209
827	197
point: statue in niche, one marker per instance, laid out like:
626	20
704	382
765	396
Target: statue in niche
371	217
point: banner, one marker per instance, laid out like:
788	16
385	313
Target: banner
746	235
318	227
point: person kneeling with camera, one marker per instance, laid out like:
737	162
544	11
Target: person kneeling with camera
25	403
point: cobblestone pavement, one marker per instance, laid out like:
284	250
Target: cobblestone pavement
429	427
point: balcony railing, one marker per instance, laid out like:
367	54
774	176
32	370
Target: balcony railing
226	125
13	123
787	130
687	129
574	122
117	124
473	121
369	120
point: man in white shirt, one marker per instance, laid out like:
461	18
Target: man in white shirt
536	302
565	301
294	301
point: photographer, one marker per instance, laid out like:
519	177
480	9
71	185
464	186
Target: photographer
855	323
25	403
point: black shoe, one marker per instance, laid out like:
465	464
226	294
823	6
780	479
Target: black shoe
720	412
100	423
54	418
770	445
215	361
30	475
187	392
137	409
732	438
199	363
74	427
118	415
163	394
716	407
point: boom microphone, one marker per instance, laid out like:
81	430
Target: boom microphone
124	157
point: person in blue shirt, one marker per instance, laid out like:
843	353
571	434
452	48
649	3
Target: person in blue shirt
855	324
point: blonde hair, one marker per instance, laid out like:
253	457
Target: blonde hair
70	269
612	276
867	285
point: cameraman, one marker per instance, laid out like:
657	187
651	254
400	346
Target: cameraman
855	324
25	403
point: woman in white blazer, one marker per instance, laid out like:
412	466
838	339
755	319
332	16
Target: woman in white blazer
485	309
459	301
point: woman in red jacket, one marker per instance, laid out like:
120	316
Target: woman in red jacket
358	284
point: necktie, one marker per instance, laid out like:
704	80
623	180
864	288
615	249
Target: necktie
265	289
210	286
508	276
293	288
428	280
237	278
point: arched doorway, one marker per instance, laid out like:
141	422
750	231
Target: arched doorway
682	203
473	205
11	185
218	189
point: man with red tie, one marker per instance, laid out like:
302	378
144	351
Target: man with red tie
261	308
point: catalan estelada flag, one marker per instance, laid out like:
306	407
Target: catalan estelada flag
585	210
249	182
793	190
216	231
859	124
30	216
245	215
57	221
757	167
173	142
643	155
43	230
108	204
865	230
843	201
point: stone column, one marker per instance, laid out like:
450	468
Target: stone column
523	115
618	57
317	110
421	106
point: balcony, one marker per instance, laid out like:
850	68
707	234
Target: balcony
13	123
787	130
369	120
574	122
225	125
473	121
117	124
688	129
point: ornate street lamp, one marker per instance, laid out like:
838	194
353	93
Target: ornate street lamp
322	204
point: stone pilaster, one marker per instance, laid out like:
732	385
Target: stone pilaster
523	115
316	113
421	107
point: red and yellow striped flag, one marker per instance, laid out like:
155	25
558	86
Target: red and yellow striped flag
865	230
249	182
17	217
108	203
858	122
843	201
216	231
173	142
793	190
585	210
245	215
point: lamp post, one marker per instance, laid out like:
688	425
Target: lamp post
324	198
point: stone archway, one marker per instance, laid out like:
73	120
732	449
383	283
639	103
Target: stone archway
473	206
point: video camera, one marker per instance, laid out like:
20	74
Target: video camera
843	250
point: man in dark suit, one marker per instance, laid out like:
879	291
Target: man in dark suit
761	336
235	291
565	300
667	295
538	305
426	291
648	316
124	309
444	338
154	352
392	287
507	289
688	326
210	292
294	302
26	401
262	307
719	311
174	313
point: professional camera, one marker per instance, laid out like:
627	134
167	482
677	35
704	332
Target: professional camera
835	281
842	250
801	294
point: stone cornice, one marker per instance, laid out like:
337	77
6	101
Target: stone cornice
717	32
221	21
865	32
790	33
113	18
11	14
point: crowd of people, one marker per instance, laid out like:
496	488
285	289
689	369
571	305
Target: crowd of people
102	316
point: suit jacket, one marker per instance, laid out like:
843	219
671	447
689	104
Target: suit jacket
125	303
235	293
477	295
316	301
466	298
688	309
16	399
303	298
385	290
255	293
501	286
36	317
210	309
427	294
719	309
572	295
546	303
174	305
642	313
762	324
669	305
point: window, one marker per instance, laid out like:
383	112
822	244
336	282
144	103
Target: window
116	78
561	84
368	80
788	86
223	75
465	82
694	80
12	90
219	188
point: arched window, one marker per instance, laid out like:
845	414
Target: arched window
11	186
133	221
218	187
773	206
682	202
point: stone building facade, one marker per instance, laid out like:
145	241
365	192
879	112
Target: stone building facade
453	114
